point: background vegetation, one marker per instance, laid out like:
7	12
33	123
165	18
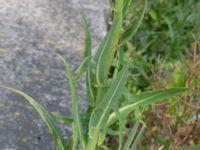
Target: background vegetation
166	53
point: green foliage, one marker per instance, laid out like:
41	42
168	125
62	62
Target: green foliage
133	28
165	54
143	100
131	136
107	48
168	28
107	113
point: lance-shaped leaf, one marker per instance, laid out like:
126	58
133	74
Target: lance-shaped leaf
88	53
86	64
131	135
106	51
82	68
138	138
62	118
102	111
77	126
145	99
126	6
133	28
111	97
53	129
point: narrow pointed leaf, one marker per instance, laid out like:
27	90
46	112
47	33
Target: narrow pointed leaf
75	110
62	118
125	7
103	109
145	99
121	128
110	98
138	138
88	53
106	51
53	129
131	135
132	29
82	68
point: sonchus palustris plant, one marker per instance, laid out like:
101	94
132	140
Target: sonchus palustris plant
106	73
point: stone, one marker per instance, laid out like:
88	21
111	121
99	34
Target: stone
32	33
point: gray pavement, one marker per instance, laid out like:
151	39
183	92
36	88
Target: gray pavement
32	32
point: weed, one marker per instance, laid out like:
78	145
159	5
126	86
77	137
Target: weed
108	111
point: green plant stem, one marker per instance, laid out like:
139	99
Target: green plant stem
91	145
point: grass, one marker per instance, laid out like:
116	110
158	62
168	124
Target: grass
167	29
165	53
109	111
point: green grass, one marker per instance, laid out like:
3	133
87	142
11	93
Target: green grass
167	28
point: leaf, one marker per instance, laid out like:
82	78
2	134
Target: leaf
112	132
132	29
171	31
153	14
75	110
53	129
102	111
82	68
138	138
125	7
131	135
145	99
107	48
63	118
121	127
111	97
88	53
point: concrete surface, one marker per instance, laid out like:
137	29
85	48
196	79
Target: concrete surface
32	32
